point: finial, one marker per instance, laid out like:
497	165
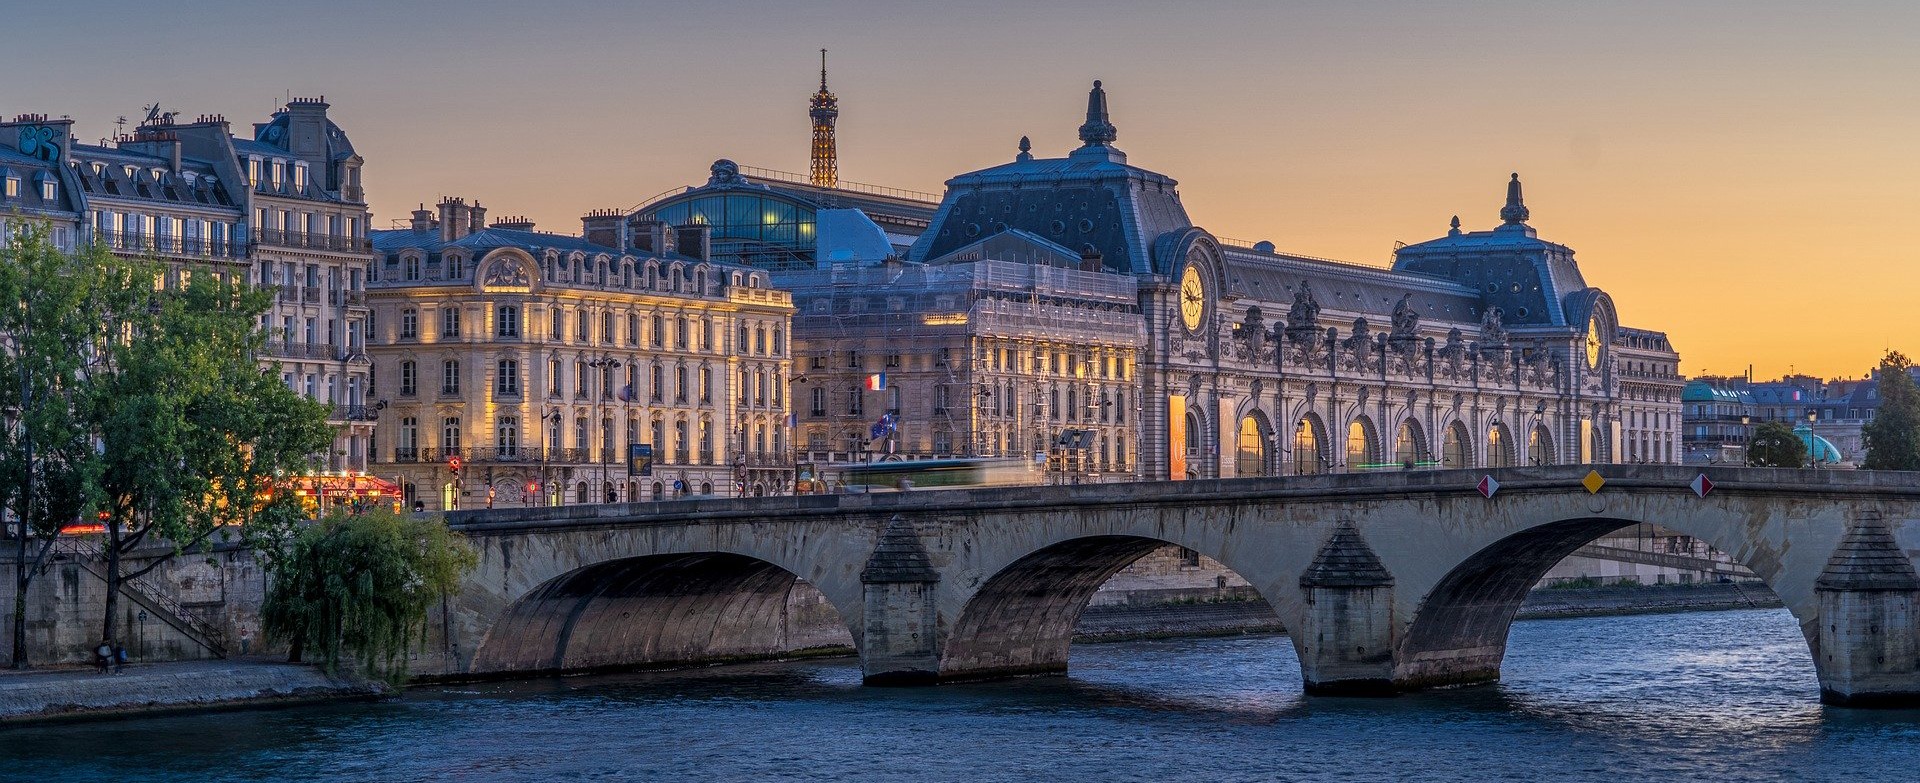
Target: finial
1098	130
823	70
1455	226
1026	150
1515	212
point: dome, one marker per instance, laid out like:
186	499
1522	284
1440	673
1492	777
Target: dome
1822	450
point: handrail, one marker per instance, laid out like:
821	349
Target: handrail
150	595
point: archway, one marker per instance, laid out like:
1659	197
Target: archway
1500	448
1363	452
1195	445
1460	628
1309	446
1456	447
1540	446
1410	445
1023	619
1250	447
661	609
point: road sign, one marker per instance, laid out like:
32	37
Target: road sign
640	459
453	463
1593	482
1487	486
1701	485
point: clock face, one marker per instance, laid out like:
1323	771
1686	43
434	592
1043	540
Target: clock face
1593	343
1193	299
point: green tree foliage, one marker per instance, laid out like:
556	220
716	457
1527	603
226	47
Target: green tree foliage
1893	437
1775	446
67	312
358	587
193	434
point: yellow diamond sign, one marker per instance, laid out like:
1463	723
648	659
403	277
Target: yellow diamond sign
1593	482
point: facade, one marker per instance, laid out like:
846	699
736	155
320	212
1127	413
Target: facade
1475	349
539	360
282	210
1827	414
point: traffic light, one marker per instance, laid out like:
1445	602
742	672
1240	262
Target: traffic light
453	464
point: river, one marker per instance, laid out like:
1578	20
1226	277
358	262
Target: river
1720	696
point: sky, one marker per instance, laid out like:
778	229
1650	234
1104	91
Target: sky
1741	175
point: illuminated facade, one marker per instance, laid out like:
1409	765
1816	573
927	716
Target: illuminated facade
282	209
540	359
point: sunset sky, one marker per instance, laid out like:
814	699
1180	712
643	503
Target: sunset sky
1740	175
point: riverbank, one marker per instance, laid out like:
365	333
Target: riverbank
1243	613
68	693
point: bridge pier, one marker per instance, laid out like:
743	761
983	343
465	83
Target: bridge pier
898	640
1867	646
1346	639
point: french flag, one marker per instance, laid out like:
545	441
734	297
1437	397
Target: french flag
877	382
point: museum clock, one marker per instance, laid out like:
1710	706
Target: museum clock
1593	343
1193	298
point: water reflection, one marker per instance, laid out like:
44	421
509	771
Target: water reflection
1691	696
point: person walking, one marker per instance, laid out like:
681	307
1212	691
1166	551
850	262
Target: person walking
119	658
103	656
246	640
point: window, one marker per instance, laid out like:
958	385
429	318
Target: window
450	377
409	324
580	326
506	321
658	334
606	328
407	378
680	333
856	402
553	378
559	324
779	341
13	187
48	190
506	379
450	322
633	329
506	438
659	388
853	359
819	402
409	439
706	385
680	384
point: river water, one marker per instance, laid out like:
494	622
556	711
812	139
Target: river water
1719	696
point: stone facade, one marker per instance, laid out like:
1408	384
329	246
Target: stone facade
539	359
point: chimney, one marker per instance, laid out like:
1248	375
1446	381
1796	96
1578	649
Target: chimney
422	218
652	236
695	241
455	218
307	131
477	219
514	223
603	227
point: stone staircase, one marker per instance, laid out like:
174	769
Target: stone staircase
148	593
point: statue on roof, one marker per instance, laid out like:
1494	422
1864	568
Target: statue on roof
1304	316
1406	320
725	172
1493	329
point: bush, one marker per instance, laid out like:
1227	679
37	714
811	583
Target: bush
358	587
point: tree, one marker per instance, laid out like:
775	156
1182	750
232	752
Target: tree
358	586
1893	437
193	434
56	338
1775	445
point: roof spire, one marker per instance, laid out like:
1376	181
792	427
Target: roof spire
1515	212
1098	131
823	70
1026	150
824	167
1454	231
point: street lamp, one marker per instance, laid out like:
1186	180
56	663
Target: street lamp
1746	439
605	365
1813	455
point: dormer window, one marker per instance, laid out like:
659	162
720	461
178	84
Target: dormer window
159	175
99	169
299	177
12	185
131	172
253	172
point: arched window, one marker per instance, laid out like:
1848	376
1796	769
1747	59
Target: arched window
1499	447
1409	446
450	433
1250	453
1309	456
1540	446
1361	452
1456	447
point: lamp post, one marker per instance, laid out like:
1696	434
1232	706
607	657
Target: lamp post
1746	439
605	365
1813	454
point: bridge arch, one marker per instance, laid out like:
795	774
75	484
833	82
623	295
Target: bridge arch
1459	628
1021	618
640	608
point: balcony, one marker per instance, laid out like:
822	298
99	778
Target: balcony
481	455
292	350
273	237
191	247
310	295
353	413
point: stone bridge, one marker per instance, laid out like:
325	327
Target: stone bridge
1385	581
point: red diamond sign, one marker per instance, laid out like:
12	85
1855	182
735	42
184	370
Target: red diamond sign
1701	485
1487	486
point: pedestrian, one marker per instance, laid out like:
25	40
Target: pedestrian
246	640
102	656
119	658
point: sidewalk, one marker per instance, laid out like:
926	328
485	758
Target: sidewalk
69	692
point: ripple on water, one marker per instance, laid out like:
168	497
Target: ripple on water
1722	696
